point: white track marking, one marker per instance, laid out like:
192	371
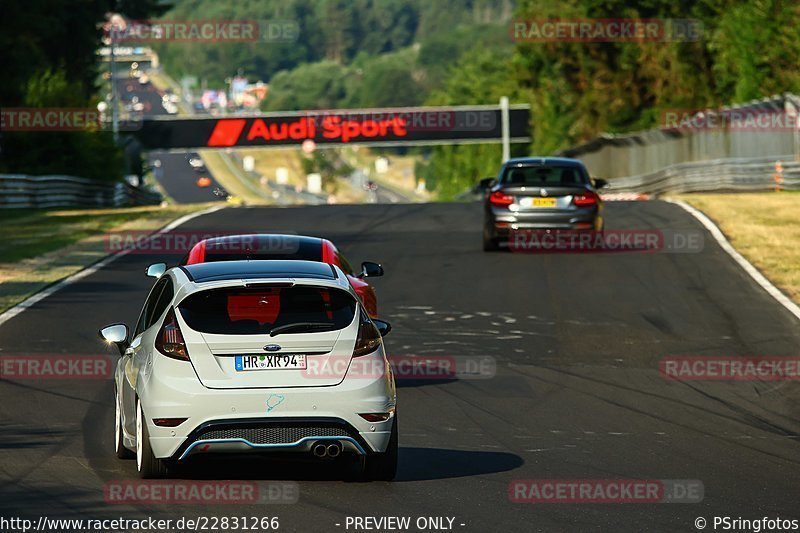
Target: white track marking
757	276
41	295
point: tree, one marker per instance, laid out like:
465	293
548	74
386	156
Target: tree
49	53
450	170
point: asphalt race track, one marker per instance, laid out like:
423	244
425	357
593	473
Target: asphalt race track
179	179
175	175
576	338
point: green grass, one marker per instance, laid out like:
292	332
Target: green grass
41	247
30	233
764	227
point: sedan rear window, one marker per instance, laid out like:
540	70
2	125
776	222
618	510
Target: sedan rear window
544	175
254	311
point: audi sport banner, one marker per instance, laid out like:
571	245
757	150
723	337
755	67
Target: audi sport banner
397	126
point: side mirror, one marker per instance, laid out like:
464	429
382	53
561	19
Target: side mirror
383	327
116	334
371	270
600	183
156	270
486	183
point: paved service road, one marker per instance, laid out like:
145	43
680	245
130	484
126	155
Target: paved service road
174	174
179	179
577	340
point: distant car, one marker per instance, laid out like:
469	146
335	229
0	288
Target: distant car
196	162
284	342
540	193
204	182
291	247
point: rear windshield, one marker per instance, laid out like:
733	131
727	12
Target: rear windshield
241	311
544	175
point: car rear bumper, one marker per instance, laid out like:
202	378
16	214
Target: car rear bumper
268	419
501	223
283	434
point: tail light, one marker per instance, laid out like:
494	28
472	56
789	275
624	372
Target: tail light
499	198
368	338
585	200
377	417
168	422
169	339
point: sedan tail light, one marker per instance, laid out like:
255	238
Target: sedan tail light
169	339
585	200
499	198
168	422
368	338
377	417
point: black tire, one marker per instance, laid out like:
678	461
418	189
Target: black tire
382	466
119	445
148	465
489	243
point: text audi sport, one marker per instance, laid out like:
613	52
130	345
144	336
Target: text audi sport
254	356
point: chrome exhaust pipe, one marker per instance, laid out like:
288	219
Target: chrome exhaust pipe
319	450
334	450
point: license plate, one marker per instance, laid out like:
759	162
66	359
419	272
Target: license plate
290	361
538	202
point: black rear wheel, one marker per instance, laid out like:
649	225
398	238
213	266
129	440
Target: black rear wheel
489	242
149	466
119	436
382	466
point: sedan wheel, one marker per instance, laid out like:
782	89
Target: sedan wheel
382	466
146	463
489	243
119	436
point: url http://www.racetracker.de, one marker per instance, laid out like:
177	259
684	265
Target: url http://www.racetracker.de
109	525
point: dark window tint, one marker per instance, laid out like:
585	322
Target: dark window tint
162	303
241	311
544	175
155	305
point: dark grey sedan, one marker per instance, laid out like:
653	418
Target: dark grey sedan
540	193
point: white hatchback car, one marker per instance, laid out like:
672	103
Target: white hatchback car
254	356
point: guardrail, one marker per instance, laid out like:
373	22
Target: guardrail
22	191
736	174
717	175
